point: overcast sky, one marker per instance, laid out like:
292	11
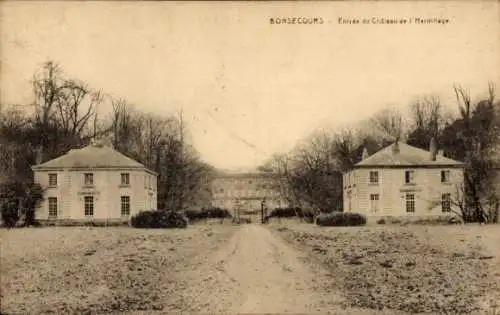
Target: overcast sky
250	88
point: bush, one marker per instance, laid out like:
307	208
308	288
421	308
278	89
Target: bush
159	219
340	219
207	213
292	212
381	221
19	199
10	213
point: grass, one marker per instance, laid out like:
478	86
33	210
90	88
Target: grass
432	269
73	270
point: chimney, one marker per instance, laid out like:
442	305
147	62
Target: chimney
395	147
365	154
433	149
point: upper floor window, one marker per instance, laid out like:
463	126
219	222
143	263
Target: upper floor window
125	178
374	177
409	177
52	179
445	176
88	179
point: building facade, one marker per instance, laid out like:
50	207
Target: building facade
94	183
401	180
246	191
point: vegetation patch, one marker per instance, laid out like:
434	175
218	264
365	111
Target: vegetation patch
401	268
85	270
340	219
158	219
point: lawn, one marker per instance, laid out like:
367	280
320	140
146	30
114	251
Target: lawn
431	269
70	270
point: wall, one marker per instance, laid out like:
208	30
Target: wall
392	189
107	192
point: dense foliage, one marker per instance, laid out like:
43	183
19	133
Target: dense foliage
207	213
19	200
340	219
159	219
290	212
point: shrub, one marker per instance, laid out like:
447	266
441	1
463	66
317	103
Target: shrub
19	199
159	219
340	219
381	221
10	213
207	213
292	212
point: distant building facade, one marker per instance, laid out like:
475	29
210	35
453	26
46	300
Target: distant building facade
246	191
94	183
401	180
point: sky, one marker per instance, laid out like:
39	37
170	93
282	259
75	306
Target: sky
249	88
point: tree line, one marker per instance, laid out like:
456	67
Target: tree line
311	173
64	115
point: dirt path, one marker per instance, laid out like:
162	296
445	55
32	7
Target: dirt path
256	272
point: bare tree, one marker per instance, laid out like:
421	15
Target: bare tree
389	124
428	119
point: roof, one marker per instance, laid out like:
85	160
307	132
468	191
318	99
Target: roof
95	155
407	156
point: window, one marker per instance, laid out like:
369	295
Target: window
374	177
409	177
52	207
52	180
410	203
145	181
89	206
445	176
125	178
125	205
446	202
374	202
88	179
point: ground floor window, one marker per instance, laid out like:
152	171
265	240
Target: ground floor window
446	202
52	207
410	203
374	200
125	205
89	205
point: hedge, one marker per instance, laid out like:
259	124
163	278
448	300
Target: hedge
340	219
208	213
159	219
290	212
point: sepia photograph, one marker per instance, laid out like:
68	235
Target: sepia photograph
250	157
